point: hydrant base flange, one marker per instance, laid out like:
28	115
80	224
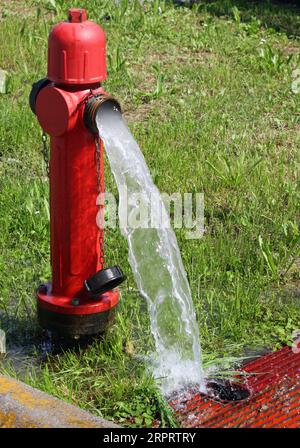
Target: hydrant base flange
69	316
69	325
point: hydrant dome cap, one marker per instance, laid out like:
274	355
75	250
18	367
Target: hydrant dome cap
76	51
77	15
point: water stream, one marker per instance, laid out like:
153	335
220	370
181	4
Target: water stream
155	259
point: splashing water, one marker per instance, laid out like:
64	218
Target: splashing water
155	260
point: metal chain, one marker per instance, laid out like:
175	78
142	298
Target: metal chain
98	164
100	188
45	152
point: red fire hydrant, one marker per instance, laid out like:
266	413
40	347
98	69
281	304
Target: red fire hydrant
81	299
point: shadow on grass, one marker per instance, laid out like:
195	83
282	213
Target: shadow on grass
25	338
282	16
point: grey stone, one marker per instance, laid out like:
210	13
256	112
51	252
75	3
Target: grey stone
3	81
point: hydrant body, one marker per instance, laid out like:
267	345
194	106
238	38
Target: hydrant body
76	66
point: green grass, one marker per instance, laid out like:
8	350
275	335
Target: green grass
207	94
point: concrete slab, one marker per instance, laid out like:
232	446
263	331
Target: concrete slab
22	406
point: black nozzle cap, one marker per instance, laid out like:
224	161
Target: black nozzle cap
36	88
104	280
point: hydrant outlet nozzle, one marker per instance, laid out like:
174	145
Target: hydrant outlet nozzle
36	88
93	105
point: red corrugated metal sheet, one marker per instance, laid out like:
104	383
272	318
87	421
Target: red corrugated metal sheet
274	402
